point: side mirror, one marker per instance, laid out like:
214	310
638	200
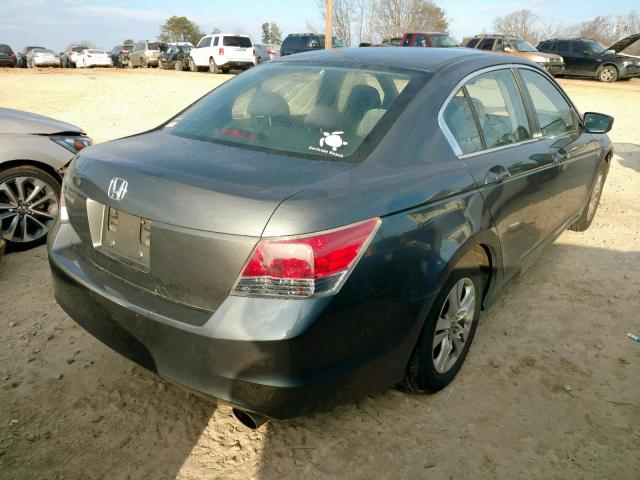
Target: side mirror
597	122
609	52
507	49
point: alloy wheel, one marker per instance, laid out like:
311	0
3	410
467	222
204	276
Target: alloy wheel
453	326
608	74
28	208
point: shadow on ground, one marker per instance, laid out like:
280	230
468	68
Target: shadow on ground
548	390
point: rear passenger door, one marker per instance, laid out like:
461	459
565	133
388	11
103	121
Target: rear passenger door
576	153
572	61
487	119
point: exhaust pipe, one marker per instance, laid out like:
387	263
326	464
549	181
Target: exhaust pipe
249	419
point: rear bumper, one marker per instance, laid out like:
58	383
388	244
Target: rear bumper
279	358
237	64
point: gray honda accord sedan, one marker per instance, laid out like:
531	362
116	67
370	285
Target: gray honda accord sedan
325	224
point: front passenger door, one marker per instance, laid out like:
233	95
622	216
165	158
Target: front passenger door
576	153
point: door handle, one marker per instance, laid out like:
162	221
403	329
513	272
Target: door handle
497	174
560	156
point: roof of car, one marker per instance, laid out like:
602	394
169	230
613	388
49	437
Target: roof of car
494	35
426	59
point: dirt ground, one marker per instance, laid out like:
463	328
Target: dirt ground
550	389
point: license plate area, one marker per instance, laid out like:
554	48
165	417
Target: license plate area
126	238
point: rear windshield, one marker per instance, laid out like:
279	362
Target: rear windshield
308	110
153	46
78	49
43	50
443	40
95	51
5	49
244	42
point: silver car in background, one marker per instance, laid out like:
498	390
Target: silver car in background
34	152
42	57
266	52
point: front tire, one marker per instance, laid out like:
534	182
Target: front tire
192	65
589	211
29	203
608	74
178	66
447	333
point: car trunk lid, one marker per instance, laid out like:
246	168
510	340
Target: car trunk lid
205	213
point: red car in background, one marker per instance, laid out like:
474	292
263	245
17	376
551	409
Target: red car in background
429	39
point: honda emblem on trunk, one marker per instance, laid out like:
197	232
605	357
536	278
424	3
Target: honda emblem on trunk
117	189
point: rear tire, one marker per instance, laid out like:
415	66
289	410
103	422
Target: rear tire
178	66
213	68
192	65
608	74
447	333
589	211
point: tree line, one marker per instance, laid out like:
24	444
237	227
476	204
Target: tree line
605	29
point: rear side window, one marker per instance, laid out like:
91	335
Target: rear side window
205	42
545	46
486	44
311	111
578	47
555	115
472	43
153	46
461	123
563	47
216	41
244	42
499	108
407	41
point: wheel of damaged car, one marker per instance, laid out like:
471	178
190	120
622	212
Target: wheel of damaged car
447	333
608	73
29	202
178	66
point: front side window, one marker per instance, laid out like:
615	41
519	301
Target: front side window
593	46
205	42
499	108
461	123
555	115
314	111
407	41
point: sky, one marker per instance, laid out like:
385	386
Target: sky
55	24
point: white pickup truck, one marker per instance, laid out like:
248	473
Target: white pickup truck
222	52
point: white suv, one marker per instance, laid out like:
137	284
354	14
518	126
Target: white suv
222	52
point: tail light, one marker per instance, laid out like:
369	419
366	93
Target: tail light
254	52
271	52
305	266
221	51
13	54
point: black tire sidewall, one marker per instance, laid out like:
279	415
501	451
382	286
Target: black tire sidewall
422	374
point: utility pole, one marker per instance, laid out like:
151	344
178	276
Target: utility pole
328	28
